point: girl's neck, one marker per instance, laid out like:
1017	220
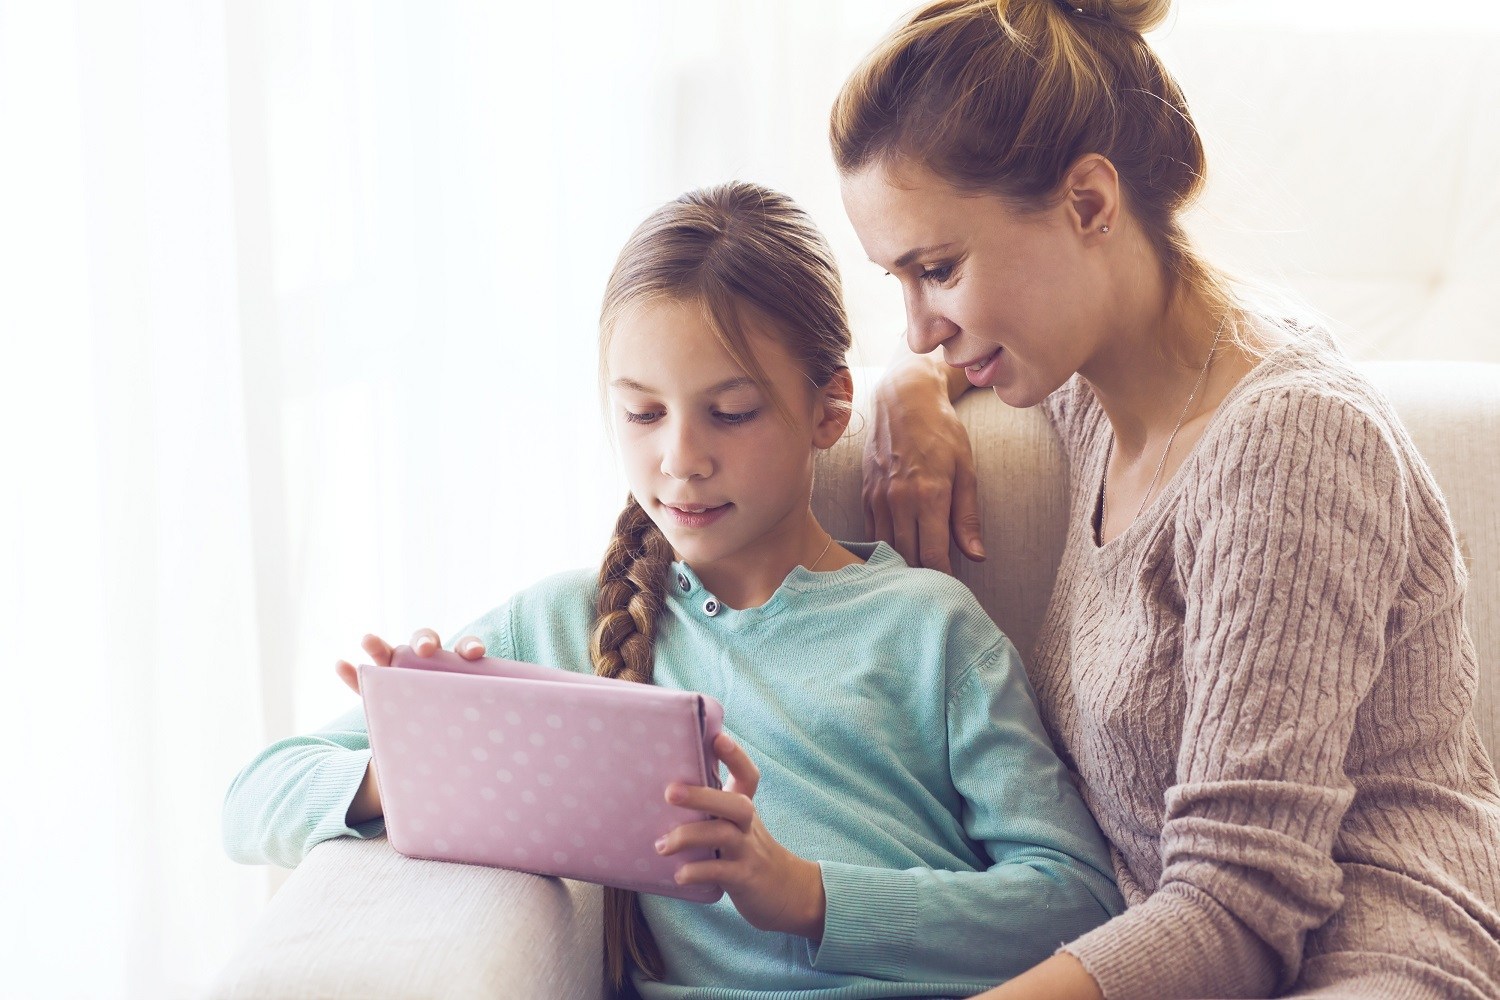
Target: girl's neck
748	578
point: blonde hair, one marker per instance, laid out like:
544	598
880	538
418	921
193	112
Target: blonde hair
752	261
1003	96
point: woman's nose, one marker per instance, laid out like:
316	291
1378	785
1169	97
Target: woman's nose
926	330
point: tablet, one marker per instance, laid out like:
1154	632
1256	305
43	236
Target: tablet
514	765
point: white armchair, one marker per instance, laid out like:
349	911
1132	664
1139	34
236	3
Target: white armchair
1361	155
357	920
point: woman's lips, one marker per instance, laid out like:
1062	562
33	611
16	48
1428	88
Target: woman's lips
983	372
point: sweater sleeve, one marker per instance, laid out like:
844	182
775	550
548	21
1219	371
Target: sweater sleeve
1048	878
296	793
1290	560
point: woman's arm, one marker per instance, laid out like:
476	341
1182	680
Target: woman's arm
919	482
1292	549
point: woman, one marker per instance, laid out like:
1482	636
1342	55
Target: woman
1255	660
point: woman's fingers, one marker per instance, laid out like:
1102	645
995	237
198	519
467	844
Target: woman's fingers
967	529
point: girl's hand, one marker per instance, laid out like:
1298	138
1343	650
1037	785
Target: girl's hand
919	481
771	887
424	642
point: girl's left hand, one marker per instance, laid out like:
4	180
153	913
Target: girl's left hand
771	887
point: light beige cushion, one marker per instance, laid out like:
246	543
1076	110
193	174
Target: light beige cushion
357	920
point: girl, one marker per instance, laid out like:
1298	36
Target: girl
895	823
1255	657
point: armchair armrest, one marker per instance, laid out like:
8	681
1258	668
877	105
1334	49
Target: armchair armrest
356	919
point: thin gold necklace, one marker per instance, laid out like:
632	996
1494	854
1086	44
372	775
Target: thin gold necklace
1104	487
815	562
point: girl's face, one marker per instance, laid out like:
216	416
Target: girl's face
707	454
1004	295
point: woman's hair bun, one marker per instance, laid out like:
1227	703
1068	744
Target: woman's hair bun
1139	16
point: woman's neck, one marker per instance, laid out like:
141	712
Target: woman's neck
1150	364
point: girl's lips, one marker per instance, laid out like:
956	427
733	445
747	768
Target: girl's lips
985	374
697	519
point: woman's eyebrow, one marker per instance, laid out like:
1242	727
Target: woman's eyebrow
728	385
916	252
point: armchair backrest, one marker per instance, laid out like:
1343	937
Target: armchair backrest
1451	409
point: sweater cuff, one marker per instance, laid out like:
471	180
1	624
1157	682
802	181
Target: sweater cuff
1213	953
869	921
331	796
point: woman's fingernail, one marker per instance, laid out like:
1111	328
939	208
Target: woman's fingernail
661	845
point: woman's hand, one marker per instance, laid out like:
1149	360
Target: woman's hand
771	887
424	642
919	482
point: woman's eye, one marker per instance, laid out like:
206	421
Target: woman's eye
649	417
937	275
736	418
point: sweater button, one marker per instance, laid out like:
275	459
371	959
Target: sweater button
683	583
710	607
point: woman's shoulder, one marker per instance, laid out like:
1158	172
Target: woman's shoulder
1307	396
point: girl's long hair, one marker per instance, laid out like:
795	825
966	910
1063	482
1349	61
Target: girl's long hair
752	261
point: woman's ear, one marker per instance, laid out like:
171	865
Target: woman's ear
1091	196
834	407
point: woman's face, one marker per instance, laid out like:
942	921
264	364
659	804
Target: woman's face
1005	295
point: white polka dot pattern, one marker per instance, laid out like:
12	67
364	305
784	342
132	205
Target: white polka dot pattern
518	766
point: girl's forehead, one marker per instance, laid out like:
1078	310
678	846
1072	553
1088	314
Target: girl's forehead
667	345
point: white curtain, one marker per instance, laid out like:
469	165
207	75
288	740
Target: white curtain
297	315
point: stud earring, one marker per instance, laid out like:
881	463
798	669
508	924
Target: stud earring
1103	229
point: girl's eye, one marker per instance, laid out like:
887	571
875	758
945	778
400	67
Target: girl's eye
650	417
734	419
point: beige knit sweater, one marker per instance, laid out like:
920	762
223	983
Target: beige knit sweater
1264	687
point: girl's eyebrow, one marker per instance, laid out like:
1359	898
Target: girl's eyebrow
728	385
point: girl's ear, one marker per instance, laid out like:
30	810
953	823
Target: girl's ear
834	407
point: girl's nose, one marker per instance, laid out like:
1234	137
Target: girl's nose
685	457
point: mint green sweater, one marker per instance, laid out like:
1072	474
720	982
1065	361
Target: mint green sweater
898	744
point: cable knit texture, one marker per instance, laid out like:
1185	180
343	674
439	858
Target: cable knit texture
1265	688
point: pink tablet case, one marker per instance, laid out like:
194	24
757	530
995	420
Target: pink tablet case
513	765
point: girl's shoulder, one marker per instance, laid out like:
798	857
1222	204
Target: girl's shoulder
929	606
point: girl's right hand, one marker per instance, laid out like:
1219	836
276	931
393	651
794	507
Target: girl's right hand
424	642
919	481
366	805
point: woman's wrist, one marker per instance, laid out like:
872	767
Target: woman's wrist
924	372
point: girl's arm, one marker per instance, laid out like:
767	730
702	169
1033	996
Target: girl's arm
296	793
303	790
919	482
1047	881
